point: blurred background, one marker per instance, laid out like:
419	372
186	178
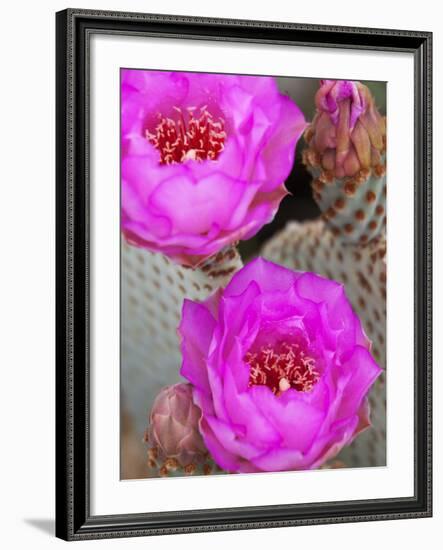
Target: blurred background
152	292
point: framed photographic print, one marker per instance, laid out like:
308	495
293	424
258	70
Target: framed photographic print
243	274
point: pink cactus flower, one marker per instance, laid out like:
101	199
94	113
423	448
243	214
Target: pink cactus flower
280	368
173	426
348	133
204	159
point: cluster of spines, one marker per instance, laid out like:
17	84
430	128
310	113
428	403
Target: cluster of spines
160	465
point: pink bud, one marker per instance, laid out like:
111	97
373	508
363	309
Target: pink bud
348	134
173	426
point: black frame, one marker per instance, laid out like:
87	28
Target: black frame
73	518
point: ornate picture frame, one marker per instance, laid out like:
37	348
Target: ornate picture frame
75	519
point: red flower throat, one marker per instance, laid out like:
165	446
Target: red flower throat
282	366
188	137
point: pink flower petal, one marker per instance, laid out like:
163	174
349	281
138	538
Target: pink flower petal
195	345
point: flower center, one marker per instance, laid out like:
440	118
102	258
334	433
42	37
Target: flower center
188	137
281	367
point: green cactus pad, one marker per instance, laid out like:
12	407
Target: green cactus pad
354	208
